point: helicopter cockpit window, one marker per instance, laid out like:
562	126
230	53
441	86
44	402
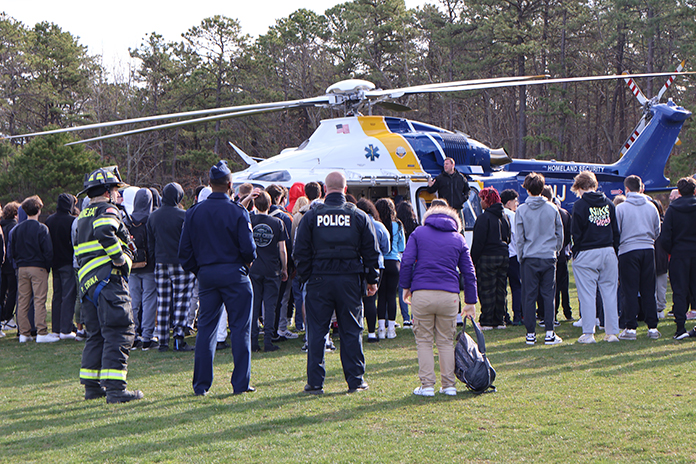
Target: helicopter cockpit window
397	125
272	176
471	209
420	127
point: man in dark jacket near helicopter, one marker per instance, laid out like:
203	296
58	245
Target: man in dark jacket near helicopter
450	185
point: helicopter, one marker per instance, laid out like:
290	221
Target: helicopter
389	156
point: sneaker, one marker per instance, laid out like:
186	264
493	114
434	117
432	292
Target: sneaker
627	334
137	343
25	338
382	333
80	336
181	345
587	338
313	390
578	323
372	338
362	387
654	334
123	396
162	348
530	339
2	334
552	340
288	335
249	389
499	327
329	347
486	327
660	314
691	315
391	333
149	345
449	391
408	324
611	338
397	325
424	391
48	338
68	336
304	347
684	335
9	325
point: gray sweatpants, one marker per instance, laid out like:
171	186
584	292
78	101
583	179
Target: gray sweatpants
592	269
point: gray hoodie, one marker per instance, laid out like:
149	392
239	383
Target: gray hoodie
539	229
639	223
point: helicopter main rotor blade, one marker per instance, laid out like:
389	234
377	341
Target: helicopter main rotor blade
275	106
635	90
182	123
394	106
395	93
552	81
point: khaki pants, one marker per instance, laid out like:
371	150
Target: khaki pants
32	280
435	316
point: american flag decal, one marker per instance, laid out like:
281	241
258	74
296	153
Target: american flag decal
342	129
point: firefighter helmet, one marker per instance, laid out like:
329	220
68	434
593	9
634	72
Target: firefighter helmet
103	177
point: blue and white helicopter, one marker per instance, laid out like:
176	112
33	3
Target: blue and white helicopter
386	156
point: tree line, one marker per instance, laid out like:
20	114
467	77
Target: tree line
48	80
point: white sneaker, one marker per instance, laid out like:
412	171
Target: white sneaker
611	338
68	336
289	335
2	334
449	391
9	325
24	339
587	338
382	333
391	333
48	338
578	323
424	391
654	334
628	334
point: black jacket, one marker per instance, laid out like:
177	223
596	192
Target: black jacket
60	226
31	245
164	226
326	245
7	226
492	233
137	226
594	223
452	187
678	236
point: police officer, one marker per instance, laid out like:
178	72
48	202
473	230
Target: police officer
104	258
335	247
218	246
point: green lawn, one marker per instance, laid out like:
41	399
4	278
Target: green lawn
619	402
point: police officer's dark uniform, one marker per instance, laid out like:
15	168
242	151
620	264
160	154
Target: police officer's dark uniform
217	245
104	258
335	246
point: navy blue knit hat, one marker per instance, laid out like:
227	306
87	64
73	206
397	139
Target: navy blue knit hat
220	170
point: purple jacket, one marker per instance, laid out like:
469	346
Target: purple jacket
433	253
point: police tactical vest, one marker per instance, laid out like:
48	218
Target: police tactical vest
335	235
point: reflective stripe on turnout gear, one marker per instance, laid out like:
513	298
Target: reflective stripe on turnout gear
105	221
92	265
103	374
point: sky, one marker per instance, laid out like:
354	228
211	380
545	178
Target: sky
110	28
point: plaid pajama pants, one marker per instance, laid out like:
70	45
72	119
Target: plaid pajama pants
491	282
173	285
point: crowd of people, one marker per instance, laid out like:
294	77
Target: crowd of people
165	270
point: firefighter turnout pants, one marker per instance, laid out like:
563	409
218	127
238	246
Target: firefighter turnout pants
110	330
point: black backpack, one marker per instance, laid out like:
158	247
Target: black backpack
471	365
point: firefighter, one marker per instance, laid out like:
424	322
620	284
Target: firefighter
104	257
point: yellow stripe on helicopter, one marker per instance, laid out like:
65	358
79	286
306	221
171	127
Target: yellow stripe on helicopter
401	152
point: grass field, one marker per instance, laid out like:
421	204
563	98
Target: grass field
608	402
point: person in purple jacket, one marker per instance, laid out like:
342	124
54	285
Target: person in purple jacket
435	255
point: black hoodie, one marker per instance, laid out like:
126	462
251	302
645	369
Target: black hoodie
59	225
678	235
492	233
137	226
594	223
164	226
